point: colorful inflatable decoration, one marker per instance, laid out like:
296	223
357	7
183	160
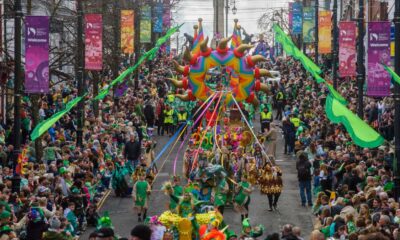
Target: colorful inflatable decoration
242	87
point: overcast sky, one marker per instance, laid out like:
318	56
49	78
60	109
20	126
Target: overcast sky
248	12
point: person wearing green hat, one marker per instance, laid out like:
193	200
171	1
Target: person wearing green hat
246	228
4	217
7	231
230	234
62	170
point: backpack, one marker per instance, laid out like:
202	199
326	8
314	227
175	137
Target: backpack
303	172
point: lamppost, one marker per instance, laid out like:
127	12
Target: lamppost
335	45
234	9
397	99
17	93
226	17
79	73
316	30
360	60
116	52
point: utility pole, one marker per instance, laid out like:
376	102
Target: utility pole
226	17
137	39
153	35
17	92
316	30
360	60
79	73
34	97
303	44
96	76
335	44
116	52
397	100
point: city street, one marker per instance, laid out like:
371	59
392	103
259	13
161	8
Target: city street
95	97
290	210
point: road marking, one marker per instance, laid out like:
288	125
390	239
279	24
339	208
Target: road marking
103	200
163	174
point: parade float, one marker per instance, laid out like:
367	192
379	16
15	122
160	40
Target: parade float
218	141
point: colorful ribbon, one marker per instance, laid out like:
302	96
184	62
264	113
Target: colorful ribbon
202	137
251	130
196	121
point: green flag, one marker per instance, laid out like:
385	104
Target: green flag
336	95
393	74
45	125
361	133
290	48
148	55
307	63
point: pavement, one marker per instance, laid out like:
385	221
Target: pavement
289	206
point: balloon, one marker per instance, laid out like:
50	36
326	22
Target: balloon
244	79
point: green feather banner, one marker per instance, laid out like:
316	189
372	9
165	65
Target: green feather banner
336	95
148	55
361	133
393	74
42	127
291	49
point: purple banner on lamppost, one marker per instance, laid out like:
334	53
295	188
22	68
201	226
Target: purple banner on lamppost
378	54
347	49
37	54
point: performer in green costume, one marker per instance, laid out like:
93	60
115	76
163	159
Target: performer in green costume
242	198
186	206
177	190
140	193
220	195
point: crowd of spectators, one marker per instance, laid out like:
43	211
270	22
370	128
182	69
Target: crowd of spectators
350	189
62	184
